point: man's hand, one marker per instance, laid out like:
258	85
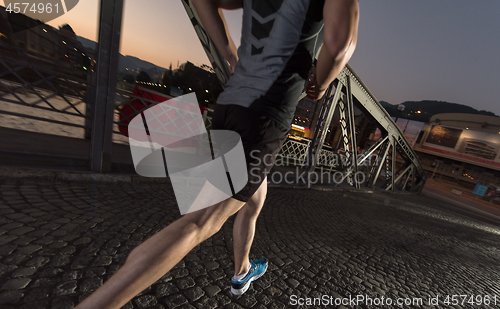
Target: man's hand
210	13
314	91
232	61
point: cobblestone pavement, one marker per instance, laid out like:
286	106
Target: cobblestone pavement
60	240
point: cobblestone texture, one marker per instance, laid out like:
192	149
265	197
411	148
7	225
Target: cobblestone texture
59	241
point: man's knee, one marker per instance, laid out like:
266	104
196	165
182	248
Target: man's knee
255	204
210	226
210	220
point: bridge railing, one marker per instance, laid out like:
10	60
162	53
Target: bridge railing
401	167
37	90
48	77
42	89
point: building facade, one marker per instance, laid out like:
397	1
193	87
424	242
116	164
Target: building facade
461	147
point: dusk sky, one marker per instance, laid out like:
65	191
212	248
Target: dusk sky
445	50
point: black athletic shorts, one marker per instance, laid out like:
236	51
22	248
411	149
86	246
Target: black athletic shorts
262	139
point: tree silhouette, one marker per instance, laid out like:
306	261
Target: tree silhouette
129	78
166	80
143	77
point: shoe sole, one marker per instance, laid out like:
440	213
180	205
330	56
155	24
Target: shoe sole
246	286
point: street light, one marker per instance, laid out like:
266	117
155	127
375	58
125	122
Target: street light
401	108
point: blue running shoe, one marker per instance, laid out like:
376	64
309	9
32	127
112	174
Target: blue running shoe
257	269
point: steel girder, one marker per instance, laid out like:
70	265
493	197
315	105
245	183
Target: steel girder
411	176
103	99
220	66
398	143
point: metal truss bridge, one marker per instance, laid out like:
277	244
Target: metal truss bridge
393	154
38	94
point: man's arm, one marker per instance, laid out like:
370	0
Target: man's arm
210	13
339	41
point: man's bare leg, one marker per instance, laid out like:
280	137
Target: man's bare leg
160	253
244	229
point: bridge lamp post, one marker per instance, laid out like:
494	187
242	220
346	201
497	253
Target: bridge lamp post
401	108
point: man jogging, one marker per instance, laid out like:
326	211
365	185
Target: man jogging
280	39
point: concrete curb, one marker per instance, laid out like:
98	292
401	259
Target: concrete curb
334	189
8	172
84	176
